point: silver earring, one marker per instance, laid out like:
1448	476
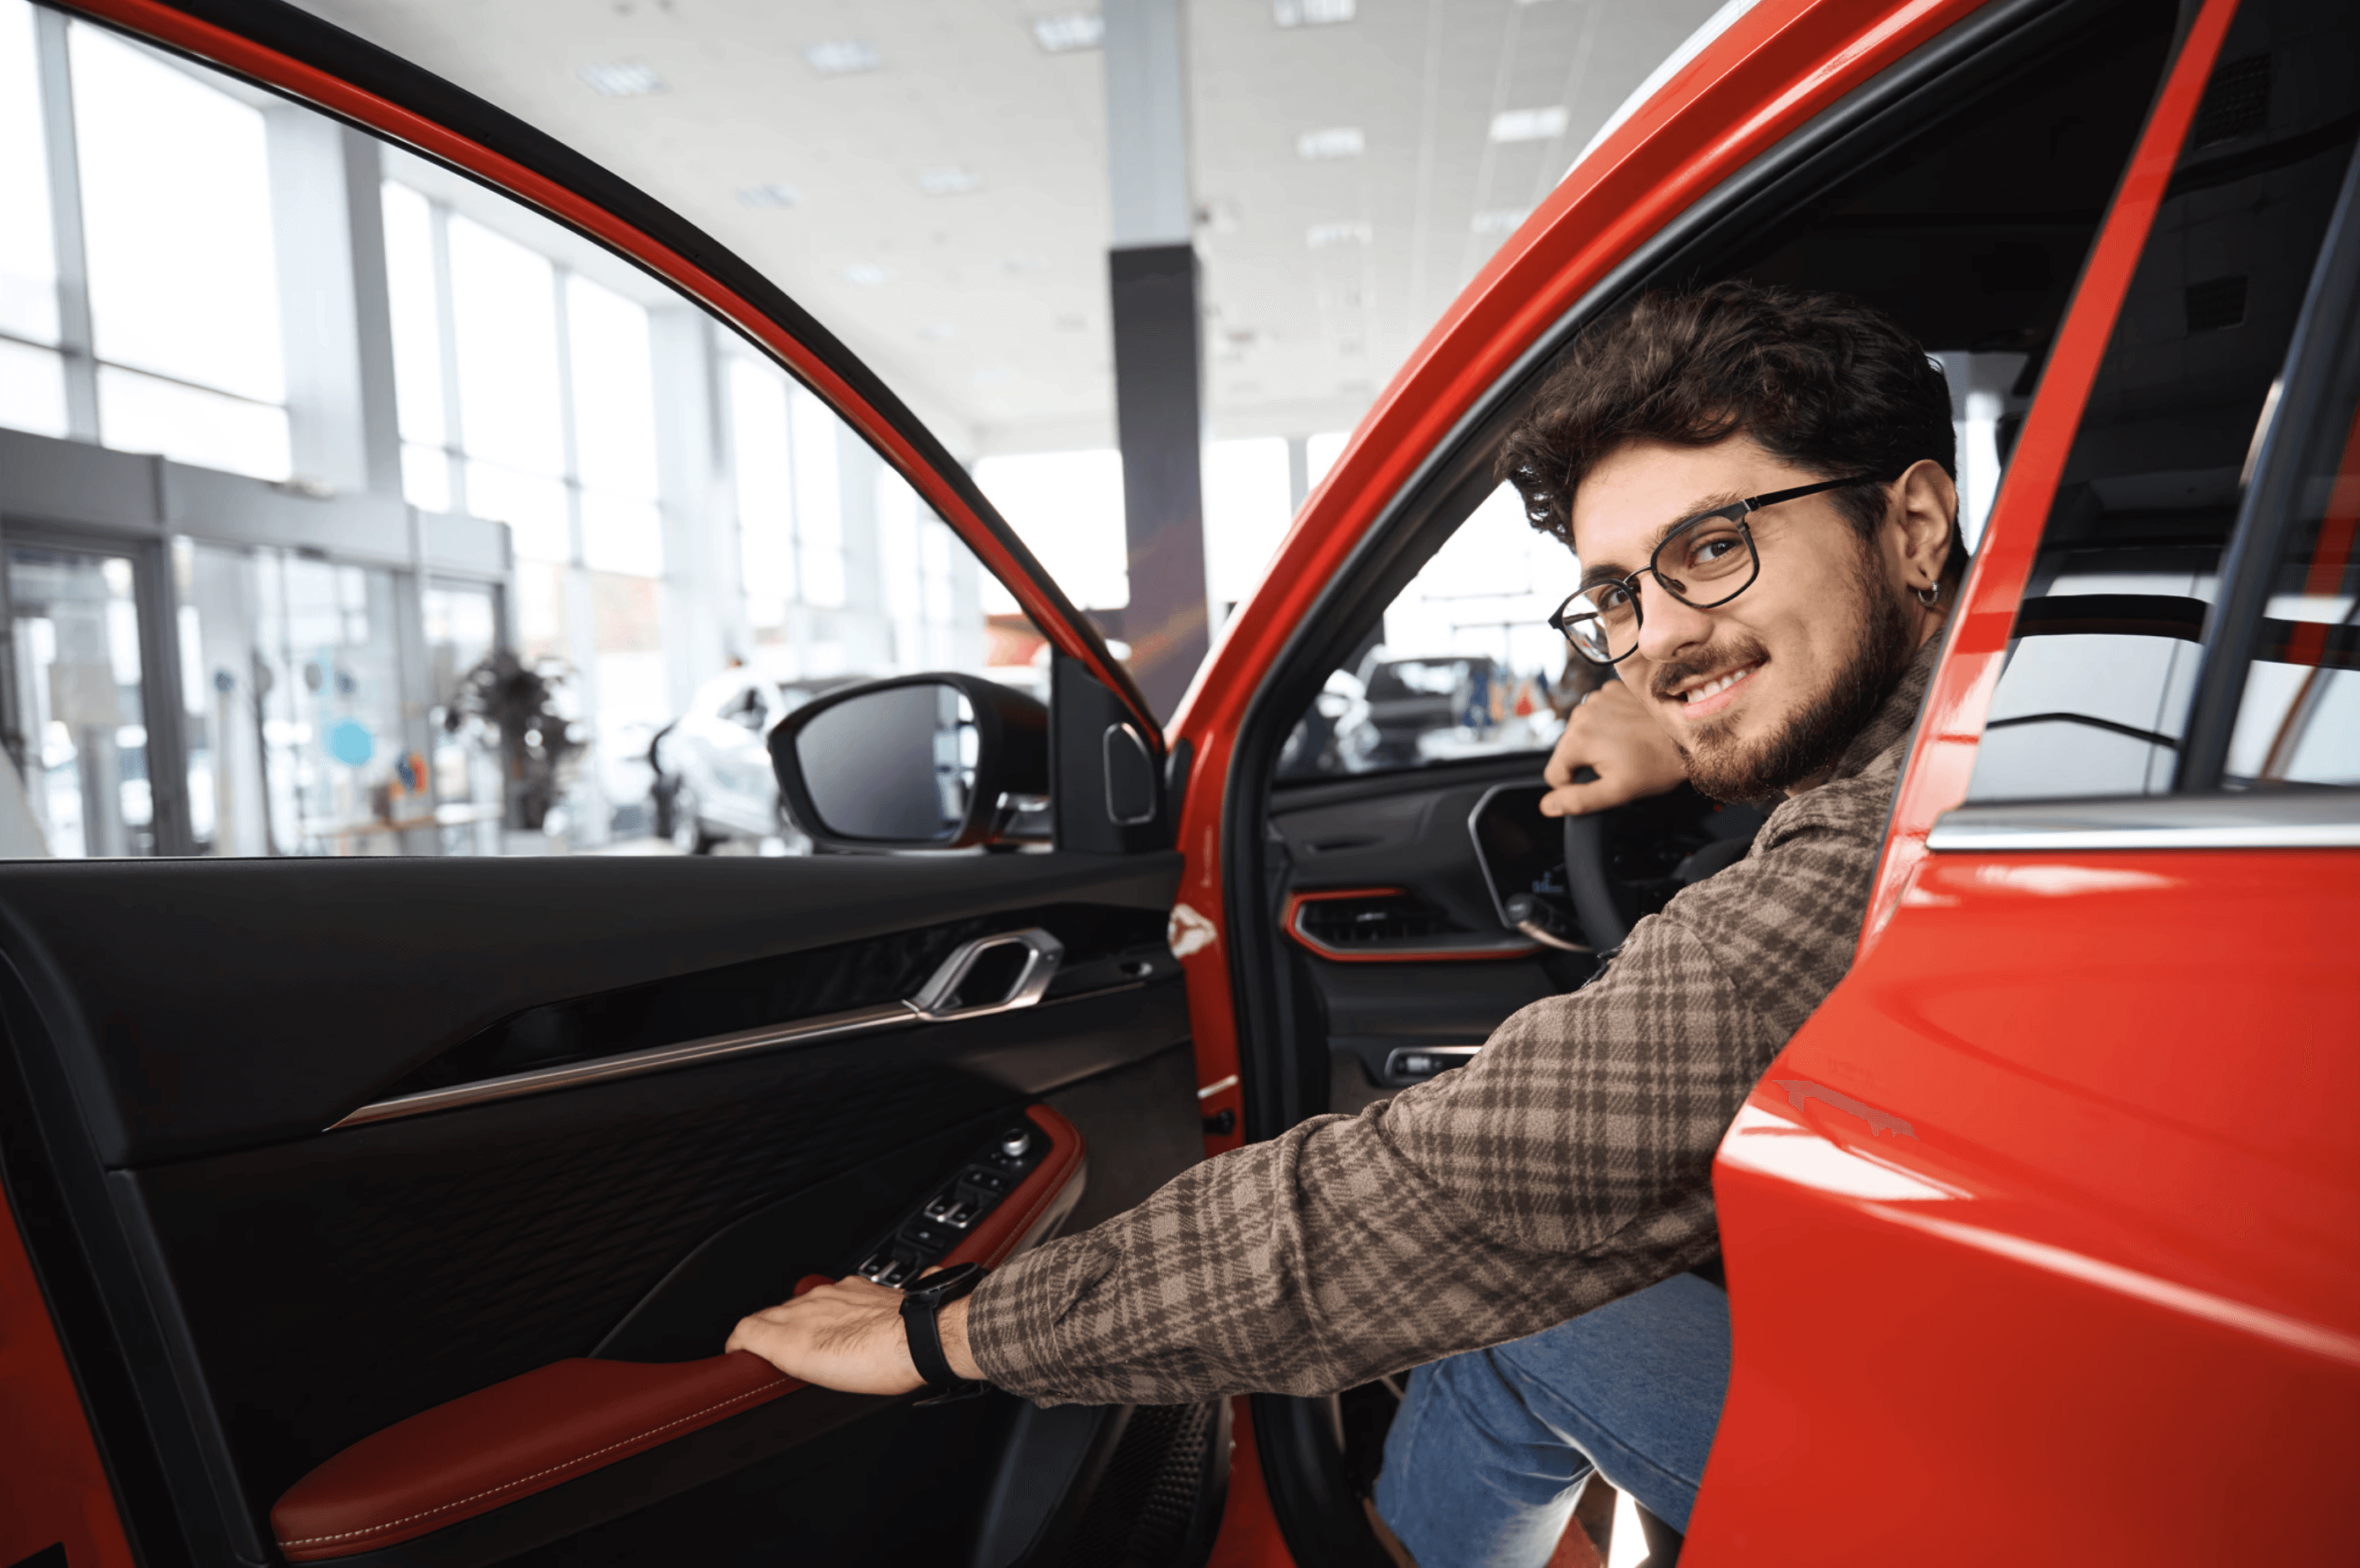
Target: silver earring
1928	597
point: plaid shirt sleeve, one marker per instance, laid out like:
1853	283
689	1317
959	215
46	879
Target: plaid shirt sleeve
1569	1164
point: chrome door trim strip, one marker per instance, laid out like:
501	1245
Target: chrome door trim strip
932	1004
2275	818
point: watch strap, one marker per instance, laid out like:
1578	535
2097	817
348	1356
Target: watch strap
920	1322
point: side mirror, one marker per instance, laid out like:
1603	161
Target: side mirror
940	761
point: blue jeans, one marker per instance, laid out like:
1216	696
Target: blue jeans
1490	1451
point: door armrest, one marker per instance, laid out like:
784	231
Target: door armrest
556	1423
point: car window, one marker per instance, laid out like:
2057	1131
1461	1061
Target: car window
463	511
2096	695
1462	664
2298	717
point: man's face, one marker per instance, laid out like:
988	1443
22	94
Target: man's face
1762	693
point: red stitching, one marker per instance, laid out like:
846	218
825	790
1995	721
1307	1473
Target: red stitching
506	1486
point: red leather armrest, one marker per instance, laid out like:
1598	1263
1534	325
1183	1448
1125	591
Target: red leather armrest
555	1424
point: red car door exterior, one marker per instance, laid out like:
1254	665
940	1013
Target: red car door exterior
2039	1234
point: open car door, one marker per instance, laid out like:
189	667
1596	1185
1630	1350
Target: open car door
396	1210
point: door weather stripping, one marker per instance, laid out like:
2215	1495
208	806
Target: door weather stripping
942	999
2260	819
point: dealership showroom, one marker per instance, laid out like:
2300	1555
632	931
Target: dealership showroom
352	509
1179	783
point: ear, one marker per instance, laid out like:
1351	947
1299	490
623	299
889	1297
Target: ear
1917	537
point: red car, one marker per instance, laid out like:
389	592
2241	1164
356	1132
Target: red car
2041	1235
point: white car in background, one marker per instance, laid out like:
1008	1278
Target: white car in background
714	784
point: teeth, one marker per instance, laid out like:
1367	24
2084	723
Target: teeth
1720	684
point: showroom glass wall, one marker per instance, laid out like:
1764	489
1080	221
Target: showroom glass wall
299	432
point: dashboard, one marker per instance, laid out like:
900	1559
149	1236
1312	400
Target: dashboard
1393	901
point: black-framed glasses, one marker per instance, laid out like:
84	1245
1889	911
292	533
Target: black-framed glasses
1704	562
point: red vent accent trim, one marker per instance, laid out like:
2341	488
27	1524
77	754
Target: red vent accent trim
1477	949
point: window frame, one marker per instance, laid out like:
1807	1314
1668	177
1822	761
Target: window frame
2306	416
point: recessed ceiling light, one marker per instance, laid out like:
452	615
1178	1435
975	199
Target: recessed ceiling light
1335	141
1069	30
622	79
1310	13
1319	236
1499	221
1528	124
775	194
949	182
842	57
865	272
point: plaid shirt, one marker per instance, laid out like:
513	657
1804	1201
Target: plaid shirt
1569	1164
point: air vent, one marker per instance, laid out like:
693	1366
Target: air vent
2236	102
2217	304
1367	919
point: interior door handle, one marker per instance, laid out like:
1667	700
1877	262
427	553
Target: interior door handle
516	1439
990	974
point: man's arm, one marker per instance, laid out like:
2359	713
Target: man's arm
1569	1164
1491	1203
1627	751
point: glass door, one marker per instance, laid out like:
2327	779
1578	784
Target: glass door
78	729
463	631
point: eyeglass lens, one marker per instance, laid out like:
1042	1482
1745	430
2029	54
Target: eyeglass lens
1704	563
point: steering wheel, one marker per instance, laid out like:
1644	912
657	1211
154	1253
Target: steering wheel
1629	860
1594	904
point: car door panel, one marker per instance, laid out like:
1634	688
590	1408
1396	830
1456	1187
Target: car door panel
312	1287
411	958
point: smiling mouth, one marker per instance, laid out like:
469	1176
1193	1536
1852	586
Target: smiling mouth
1704	691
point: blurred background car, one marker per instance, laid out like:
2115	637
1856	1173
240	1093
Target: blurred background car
712	786
1432	708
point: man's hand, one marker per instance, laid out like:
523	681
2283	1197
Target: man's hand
848	1336
1610	734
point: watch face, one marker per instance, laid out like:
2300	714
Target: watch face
948	1285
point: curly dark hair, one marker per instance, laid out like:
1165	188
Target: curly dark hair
1819	380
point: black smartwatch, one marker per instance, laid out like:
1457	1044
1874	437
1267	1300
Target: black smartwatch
921	1300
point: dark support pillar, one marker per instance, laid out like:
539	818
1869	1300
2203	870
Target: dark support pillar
1158	421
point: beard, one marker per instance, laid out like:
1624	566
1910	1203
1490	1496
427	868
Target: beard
1811	741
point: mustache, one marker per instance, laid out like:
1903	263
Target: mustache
1737	651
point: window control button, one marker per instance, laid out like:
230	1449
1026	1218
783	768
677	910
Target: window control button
928	1237
886	1268
993	1181
954	1209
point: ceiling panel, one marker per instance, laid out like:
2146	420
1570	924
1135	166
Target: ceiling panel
984	303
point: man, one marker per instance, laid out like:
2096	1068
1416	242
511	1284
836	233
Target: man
1758	487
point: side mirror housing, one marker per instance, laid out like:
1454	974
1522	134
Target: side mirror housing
940	761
